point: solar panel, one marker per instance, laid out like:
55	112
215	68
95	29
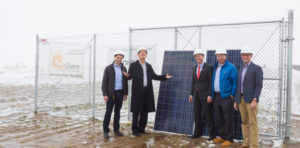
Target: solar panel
174	113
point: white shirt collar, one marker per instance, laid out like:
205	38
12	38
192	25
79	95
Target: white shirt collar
141	63
115	65
248	63
220	65
201	65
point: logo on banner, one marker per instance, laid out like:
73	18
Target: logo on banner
66	63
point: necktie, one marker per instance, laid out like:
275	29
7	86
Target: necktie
198	74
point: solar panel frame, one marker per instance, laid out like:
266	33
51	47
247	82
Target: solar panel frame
175	92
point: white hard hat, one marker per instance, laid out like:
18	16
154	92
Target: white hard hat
199	51
119	52
221	50
142	48
246	49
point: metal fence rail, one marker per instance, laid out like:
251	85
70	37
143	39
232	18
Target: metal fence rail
270	41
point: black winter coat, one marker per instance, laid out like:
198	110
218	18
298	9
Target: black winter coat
137	92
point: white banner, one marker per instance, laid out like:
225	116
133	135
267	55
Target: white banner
66	63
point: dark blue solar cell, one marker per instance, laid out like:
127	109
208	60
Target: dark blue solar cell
174	113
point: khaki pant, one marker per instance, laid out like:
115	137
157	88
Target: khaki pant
249	124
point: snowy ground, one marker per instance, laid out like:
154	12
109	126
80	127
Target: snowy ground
64	116
296	93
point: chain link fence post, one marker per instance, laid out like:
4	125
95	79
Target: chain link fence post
175	38
36	74
94	77
199	36
289	72
129	86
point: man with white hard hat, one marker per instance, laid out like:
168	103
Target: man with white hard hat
114	90
201	94
223	89
249	86
142	98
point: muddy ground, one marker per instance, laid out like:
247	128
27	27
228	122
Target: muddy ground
44	130
66	125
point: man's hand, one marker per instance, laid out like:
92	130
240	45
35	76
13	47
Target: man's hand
231	96
236	106
253	104
190	98
105	98
125	97
126	74
209	99
168	76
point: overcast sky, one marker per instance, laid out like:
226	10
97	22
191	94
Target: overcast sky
21	20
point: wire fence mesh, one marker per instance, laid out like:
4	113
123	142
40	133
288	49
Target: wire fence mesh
264	39
72	90
64	74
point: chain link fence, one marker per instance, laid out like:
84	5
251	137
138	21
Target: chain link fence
64	75
264	38
76	90
70	70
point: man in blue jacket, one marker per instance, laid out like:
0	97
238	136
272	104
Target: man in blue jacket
223	89
249	86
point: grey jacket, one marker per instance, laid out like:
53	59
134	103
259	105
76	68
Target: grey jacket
252	86
108	81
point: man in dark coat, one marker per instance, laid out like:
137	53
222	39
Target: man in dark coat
201	94
249	86
115	90
142	100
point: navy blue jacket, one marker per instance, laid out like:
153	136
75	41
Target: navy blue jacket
253	83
